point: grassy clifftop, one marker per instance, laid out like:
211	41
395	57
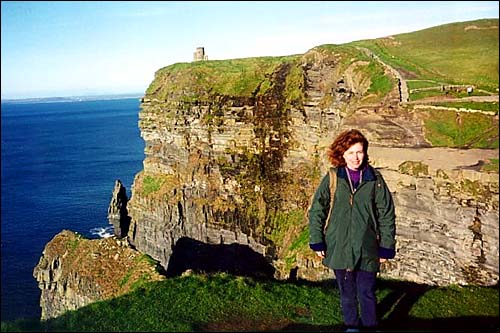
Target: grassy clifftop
225	303
199	81
460	53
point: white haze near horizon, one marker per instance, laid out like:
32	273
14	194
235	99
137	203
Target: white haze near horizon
51	48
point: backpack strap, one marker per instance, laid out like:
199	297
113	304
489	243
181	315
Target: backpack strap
333	188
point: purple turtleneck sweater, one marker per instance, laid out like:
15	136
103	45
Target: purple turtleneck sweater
355	175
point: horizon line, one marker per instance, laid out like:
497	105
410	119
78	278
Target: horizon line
72	97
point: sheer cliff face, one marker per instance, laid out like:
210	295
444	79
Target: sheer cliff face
227	177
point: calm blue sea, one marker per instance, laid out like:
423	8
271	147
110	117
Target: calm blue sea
59	164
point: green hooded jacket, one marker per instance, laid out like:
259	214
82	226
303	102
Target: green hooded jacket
357	235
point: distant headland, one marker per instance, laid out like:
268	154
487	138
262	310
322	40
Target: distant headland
73	98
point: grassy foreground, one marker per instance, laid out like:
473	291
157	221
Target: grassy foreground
222	302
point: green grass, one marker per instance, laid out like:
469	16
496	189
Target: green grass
451	53
465	300
381	84
419	84
416	95
151	184
203	80
483	106
491	165
461	130
225	302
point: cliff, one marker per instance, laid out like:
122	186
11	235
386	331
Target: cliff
234	149
226	169
74	271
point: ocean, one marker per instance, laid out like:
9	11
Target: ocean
59	164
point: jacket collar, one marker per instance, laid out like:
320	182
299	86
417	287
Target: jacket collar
368	173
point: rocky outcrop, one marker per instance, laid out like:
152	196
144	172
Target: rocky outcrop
117	210
74	271
239	170
447	215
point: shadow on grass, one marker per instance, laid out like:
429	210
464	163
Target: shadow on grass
398	303
457	324
313	328
395	308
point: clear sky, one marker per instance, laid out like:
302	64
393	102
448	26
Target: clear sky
72	48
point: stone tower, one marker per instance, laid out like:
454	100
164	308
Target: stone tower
199	54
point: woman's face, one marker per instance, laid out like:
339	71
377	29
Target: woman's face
354	156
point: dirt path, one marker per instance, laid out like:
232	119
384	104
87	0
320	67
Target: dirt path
404	95
452	99
435	158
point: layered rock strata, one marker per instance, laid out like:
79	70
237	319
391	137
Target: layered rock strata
240	170
447	215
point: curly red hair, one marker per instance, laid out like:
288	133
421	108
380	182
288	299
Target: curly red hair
342	143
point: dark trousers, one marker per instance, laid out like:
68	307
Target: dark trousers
357	288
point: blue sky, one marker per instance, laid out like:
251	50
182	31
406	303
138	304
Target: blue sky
68	48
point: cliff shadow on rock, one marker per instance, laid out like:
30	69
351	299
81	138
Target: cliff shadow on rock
236	259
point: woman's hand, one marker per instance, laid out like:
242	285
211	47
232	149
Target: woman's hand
320	254
382	260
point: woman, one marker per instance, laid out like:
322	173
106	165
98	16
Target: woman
361	231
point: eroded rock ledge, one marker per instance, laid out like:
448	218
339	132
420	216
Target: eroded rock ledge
74	271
